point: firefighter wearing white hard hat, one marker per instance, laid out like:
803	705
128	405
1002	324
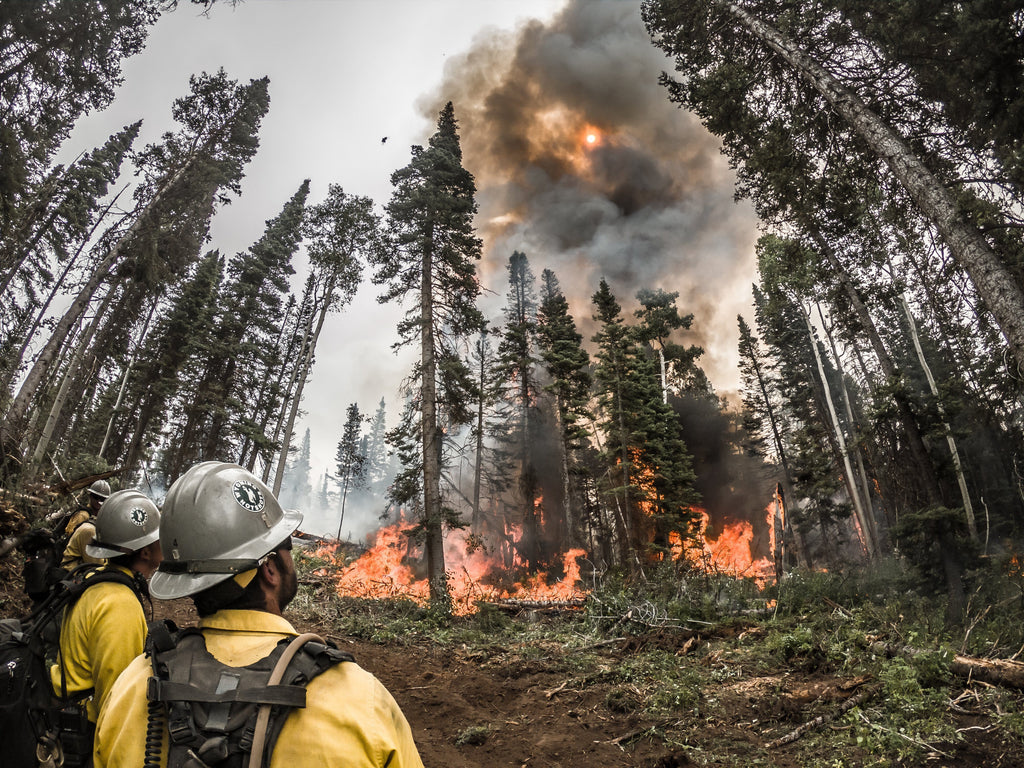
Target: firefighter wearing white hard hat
81	527
106	628
227	544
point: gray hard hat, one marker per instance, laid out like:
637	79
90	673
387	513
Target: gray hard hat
100	489
218	520
126	523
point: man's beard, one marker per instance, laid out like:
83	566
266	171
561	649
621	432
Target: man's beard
288	588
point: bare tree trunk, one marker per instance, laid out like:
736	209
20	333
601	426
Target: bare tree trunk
862	475
16	414
263	409
124	380
431	438
58	402
299	377
908	421
851	482
953	452
476	521
997	287
30	332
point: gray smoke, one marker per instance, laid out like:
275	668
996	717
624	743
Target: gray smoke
648	204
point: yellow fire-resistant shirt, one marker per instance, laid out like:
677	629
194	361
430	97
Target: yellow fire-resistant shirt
350	719
99	637
75	554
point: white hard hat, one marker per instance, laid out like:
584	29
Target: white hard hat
126	523
218	520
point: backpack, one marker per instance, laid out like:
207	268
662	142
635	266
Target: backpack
41	572
219	716
30	712
44	549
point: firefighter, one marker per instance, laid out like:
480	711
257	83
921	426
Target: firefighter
81	528
227	543
106	628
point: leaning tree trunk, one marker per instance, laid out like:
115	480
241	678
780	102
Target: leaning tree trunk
996	286
19	408
953	452
58	402
862	475
925	469
30	332
124	381
851	482
299	376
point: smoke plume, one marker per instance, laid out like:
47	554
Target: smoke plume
583	164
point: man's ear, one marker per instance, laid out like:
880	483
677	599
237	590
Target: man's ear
270	570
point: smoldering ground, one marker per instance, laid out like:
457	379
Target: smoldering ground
583	164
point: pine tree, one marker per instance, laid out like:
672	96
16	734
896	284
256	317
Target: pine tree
60	215
567	364
659	317
180	334
515	368
342	231
183	178
59	59
433	260
350	461
377	448
648	469
711	39
248	313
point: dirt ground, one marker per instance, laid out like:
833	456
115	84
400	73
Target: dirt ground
529	715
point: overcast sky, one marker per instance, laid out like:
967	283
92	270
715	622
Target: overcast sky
647	204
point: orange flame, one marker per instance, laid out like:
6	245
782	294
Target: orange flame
476	574
727	553
473	575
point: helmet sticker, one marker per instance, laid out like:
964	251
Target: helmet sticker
138	516
248	496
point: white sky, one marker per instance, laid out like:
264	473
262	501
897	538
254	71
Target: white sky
343	74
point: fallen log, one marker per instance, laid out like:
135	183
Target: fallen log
828	717
514	606
995	671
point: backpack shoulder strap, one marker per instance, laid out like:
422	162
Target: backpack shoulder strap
322	656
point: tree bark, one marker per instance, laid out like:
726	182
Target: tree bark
431	439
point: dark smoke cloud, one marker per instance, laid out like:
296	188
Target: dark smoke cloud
648	205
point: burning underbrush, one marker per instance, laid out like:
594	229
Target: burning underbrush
391	567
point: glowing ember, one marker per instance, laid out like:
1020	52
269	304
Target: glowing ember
590	136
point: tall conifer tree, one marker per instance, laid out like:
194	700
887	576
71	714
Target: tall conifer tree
433	262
